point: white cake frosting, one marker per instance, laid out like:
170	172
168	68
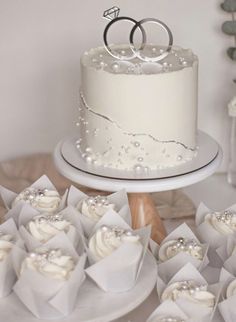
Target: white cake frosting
231	289
44	200
107	239
138	115
223	222
6	244
171	248
51	263
45	226
190	291
94	207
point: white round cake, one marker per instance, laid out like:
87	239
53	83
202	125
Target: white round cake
138	115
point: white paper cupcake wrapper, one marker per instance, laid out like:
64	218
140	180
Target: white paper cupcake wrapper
7	273
119	271
43	182
226	306
195	311
225	250
119	198
171	266
45	297
168	308
74	234
205	231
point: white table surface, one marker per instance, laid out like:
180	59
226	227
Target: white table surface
217	194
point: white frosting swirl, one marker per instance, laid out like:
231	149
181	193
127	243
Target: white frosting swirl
231	289
6	244
43	200
45	226
107	239
95	207
51	263
223	222
173	247
190	291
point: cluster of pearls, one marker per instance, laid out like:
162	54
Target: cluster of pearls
169	319
97	201
50	218
225	217
185	245
189	286
116	231
30	195
44	257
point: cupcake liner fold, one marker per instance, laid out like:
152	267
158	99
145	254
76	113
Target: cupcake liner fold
194	310
74	234
119	271
205	231
45	297
43	182
7	273
171	266
227	305
118	198
225	250
168	309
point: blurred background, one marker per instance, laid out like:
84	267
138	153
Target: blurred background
41	43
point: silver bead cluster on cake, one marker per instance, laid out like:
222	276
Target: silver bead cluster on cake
225	217
185	245
189	286
30	195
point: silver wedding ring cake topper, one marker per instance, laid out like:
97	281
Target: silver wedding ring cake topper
112	14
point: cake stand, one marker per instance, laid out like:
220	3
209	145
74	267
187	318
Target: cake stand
71	164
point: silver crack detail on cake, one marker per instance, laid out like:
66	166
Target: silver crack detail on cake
134	144
129	133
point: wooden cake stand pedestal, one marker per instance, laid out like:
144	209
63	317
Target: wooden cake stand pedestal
70	163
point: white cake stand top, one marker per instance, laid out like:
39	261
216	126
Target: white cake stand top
71	164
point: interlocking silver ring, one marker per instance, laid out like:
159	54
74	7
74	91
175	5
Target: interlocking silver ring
137	52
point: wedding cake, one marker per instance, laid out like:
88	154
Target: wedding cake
137	114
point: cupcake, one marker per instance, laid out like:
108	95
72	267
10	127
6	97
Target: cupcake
36	228
190	291
173	247
168	311
116	253
43	200
181	246
214	227
92	208
8	239
41	195
228	296
52	276
107	239
51	263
